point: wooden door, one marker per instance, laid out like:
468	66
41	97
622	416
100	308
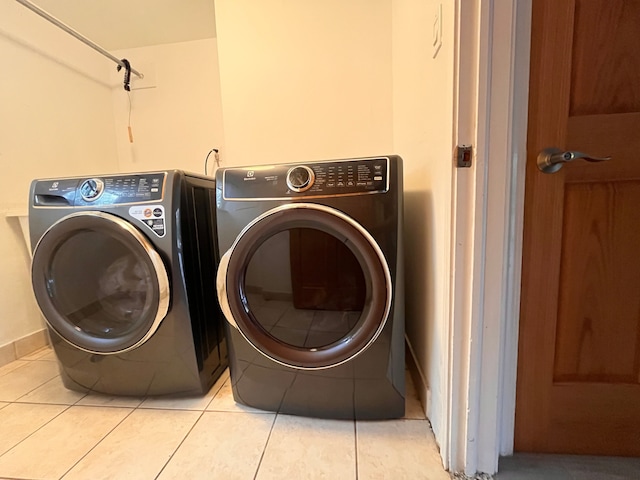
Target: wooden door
578	387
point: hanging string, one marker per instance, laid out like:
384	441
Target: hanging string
129	120
127	87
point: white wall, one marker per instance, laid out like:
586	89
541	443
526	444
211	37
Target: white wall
311	80
176	113
423	90
304	80
56	120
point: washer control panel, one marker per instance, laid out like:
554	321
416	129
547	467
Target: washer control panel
318	179
107	190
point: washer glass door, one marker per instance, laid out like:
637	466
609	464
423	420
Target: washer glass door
306	285
99	282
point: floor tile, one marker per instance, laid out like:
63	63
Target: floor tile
50	356
223	401
38	354
605	468
53	392
57	446
532	467
10	367
20	420
221	445
27	377
138	448
392	449
102	400
321	449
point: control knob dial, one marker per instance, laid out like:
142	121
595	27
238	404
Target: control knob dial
91	189
300	178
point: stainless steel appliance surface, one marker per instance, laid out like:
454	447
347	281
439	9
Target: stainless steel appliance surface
123	271
310	283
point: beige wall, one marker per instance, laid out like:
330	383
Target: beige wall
56	120
299	80
304	80
311	80
423	134
65	113
176	113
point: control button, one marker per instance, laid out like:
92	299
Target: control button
91	189
157	212
300	178
331	184
377	178
350	184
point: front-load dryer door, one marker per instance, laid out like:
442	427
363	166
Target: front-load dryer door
99	282
306	285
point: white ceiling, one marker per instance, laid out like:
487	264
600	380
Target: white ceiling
118	24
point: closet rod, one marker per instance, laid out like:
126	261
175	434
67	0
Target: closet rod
72	32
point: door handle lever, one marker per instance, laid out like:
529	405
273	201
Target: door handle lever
550	160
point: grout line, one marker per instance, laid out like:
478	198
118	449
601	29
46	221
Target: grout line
98	443
17	400
38	429
180	444
264	450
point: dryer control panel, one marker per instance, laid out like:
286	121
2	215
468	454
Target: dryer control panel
107	190
317	179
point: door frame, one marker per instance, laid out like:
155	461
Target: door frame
492	55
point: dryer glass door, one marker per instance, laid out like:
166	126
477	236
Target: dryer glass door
307	286
99	283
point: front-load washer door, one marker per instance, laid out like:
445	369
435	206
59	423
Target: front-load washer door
99	282
306	285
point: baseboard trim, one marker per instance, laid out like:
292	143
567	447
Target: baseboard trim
417	376
23	346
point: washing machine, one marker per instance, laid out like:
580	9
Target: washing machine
311	286
123	271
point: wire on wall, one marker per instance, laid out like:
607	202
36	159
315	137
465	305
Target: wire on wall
206	161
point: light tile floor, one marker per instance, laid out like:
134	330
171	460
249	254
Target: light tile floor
49	432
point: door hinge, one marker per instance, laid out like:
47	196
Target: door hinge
463	156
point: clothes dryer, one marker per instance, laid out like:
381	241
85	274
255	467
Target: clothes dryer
311	286
123	271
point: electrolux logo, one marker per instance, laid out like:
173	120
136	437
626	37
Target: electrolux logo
250	176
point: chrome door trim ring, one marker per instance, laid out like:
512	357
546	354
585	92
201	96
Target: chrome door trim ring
159	270
228	284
